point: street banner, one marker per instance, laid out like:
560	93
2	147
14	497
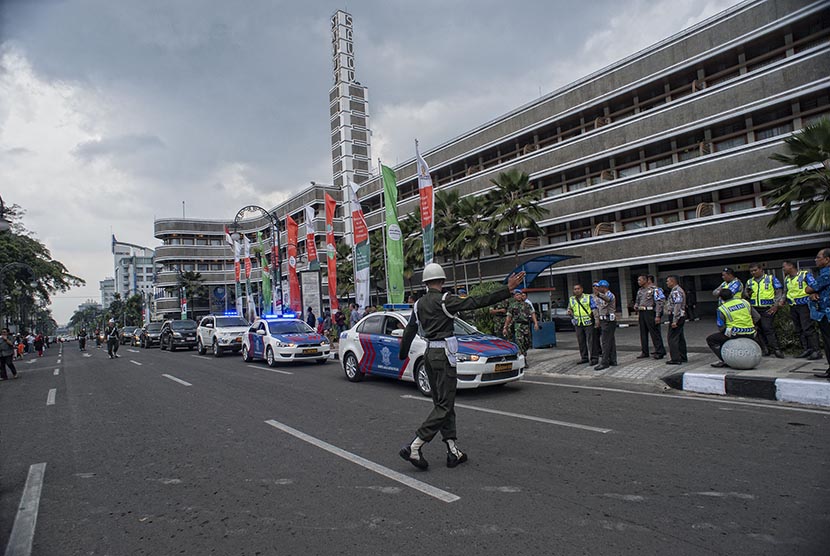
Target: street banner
310	239
251	311
394	239
361	249
331	252
237	270
266	275
247	256
276	288
427	205
184	304
294	303
310	281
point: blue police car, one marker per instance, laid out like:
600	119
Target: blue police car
283	340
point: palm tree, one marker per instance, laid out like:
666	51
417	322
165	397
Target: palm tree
194	287
447	226
345	270
514	205
477	232
810	188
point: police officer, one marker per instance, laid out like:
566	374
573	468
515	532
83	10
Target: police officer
434	314
580	308
736	319
649	307
519	316
796	283
730	282
820	303
111	334
605	322
676	318
766	294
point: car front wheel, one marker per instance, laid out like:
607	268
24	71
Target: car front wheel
246	355
269	357
351	368
217	351
422	379
201	347
161	344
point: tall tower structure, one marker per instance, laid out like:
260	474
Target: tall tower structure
349	109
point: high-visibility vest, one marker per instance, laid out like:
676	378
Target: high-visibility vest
762	291
737	315
581	310
796	285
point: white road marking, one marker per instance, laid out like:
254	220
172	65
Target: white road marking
270	370
87	355
30	361
133	350
519	416
195	355
50	399
57	372
135	363
429	490
23	530
59	361
174	379
678	397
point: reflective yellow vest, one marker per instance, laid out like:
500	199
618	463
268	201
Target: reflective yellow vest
762	291
582	310
796	286
737	316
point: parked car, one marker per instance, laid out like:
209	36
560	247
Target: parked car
282	340
150	334
221	333
371	348
178	333
562	321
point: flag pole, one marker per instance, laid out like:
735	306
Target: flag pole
385	228
352	192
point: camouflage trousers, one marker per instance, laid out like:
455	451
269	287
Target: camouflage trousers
521	336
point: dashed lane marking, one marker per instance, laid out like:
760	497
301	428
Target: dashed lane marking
23	530
406	480
520	416
180	381
50	398
57	372
135	363
270	370
133	350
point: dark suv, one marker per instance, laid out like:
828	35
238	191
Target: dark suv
150	335
178	333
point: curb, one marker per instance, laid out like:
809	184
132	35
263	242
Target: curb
810	392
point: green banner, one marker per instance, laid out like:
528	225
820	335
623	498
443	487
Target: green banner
266	277
394	238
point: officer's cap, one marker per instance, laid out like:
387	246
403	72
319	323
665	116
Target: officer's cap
728	270
517	291
603	284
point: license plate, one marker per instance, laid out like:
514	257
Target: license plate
310	350
501	367
191	337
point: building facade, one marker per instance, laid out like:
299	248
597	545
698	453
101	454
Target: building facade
107	287
134	269
658	163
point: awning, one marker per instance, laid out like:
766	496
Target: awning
534	267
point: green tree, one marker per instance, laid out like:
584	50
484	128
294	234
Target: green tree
345	270
476	235
116	309
808	189
194	288
514	206
133	310
90	317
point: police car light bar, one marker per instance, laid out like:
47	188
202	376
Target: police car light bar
230	314
397	306
286	315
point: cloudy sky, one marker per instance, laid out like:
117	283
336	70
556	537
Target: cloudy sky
114	112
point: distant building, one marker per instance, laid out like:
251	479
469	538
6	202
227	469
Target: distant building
89	303
107	287
134	269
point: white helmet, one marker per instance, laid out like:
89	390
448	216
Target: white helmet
433	271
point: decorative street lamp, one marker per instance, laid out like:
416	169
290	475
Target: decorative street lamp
276	262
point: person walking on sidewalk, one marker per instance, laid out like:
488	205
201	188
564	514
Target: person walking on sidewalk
730	282
519	316
434	316
7	352
111	334
581	308
820	303
766	294
605	322
736	319
39	345
676	318
649	307
796	283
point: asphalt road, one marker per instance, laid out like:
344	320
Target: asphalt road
245	460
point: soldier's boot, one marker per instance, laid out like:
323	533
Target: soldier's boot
455	457
412	453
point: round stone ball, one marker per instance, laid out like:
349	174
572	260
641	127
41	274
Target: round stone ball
741	353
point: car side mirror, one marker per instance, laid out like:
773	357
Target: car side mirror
260	332
397	333
209	325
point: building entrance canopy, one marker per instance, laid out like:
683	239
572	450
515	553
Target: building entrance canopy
534	267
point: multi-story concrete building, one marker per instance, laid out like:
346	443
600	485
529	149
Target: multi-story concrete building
658	163
134	269
107	287
200	246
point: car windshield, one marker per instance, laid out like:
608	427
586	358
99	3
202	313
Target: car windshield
463	329
230	321
182	324
154	327
288	327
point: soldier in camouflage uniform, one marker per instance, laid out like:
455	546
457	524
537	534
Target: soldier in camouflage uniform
499	314
519	316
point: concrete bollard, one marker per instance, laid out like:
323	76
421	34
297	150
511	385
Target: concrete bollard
741	353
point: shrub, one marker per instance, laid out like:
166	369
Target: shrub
482	319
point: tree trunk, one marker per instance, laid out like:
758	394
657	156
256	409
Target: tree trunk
478	261
516	246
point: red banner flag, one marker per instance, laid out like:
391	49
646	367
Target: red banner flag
294	301
331	252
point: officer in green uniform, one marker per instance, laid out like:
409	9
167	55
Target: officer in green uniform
434	314
499	314
736	319
519	316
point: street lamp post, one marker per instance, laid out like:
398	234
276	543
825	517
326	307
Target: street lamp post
276	266
3	271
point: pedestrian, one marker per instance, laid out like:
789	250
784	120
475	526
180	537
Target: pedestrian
30	343
605	321
18	343
730	282
311	318
596	349
340	321
434	314
766	295
327	321
111	334
820	303
736	319
519	316
676	318
320	330
82	340
499	314
796	283
354	314
649	307
580	308
39	344
7	352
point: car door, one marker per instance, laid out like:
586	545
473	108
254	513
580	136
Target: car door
388	347
202	331
369	333
259	339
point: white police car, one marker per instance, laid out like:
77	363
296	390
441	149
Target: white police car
371	348
282	340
